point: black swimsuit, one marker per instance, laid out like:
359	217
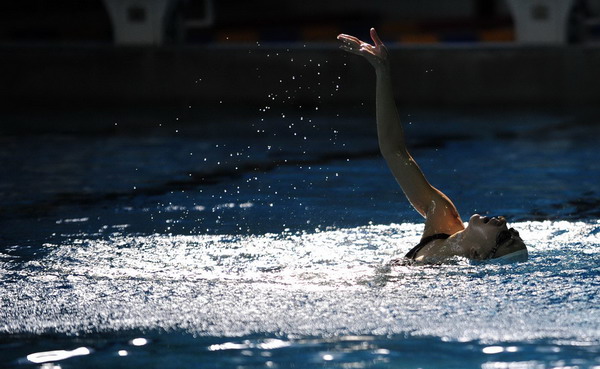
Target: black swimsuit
412	254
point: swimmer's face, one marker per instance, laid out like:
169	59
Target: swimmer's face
486	233
487	225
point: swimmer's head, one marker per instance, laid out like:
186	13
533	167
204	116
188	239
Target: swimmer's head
490	238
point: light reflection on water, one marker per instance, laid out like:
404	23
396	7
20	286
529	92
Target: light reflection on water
325	283
57	355
171	349
259	299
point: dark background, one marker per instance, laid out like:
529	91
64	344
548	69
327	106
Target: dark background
61	58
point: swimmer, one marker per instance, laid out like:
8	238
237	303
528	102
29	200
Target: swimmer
445	235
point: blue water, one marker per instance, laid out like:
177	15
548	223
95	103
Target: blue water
190	248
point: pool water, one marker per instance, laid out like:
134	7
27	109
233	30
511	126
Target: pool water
249	251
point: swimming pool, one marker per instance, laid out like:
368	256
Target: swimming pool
246	249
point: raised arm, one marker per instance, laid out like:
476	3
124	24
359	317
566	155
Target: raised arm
440	213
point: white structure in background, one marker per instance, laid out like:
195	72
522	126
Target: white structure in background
541	21
143	22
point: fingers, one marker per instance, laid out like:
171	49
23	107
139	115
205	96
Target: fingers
350	43
365	51
368	49
350	49
354	45
375	37
355	40
348	38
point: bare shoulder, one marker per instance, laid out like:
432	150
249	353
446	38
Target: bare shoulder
438	251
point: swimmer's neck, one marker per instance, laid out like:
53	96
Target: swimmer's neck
467	243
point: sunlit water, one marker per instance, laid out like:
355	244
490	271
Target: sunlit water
288	266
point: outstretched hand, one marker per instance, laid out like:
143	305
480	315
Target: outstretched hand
376	54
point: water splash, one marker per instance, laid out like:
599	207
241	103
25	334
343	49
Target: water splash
321	283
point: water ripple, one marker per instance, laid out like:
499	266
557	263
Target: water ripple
334	282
